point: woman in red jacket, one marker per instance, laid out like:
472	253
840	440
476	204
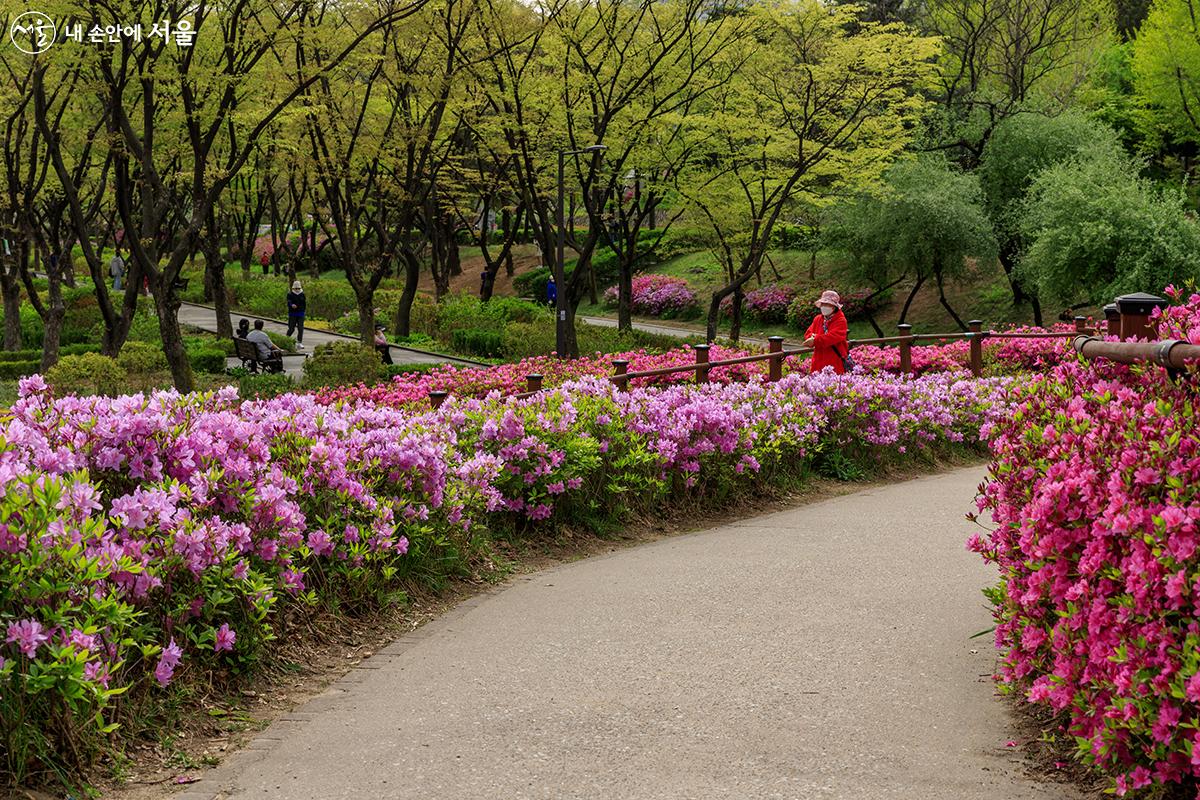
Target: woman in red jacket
827	335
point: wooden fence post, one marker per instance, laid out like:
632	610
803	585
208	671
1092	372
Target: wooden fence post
775	345
701	363
905	348
619	379
976	328
1112	320
533	383
1135	310
437	398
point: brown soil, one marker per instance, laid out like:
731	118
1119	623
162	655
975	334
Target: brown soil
525	258
1049	752
221	723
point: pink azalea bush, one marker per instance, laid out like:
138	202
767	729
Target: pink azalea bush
508	379
767	304
144	539
1095	494
656	296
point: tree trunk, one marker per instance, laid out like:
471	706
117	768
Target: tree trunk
208	280
714	314
11	290
946	305
916	288
214	279
56	312
735	323
570	336
625	297
412	276
453	256
166	302
366	316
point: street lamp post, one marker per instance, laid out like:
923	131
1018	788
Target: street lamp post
560	296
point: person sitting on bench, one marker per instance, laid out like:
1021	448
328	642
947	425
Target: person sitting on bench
270	355
243	328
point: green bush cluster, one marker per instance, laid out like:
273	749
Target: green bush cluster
19	363
263	385
90	373
341	364
475	342
142	357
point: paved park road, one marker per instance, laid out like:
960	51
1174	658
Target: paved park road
821	652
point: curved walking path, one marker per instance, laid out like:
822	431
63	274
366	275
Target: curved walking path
205	318
819	652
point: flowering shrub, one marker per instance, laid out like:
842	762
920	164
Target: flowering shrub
999	355
414	388
1095	491
147	538
656	296
767	304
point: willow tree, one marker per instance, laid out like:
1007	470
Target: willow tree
1017	152
820	105
923	223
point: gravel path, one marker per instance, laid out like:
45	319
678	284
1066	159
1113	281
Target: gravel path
820	652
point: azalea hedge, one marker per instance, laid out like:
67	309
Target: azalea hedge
1095	494
149	542
1001	357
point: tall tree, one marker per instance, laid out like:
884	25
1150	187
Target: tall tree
923	224
1021	147
820	107
1166	67
1001	57
190	117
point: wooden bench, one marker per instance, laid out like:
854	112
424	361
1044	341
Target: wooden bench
247	351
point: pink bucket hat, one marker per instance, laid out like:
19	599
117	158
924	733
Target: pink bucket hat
829	298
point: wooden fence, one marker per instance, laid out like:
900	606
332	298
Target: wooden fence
1170	354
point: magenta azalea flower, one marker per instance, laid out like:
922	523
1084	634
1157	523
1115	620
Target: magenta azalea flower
224	638
28	635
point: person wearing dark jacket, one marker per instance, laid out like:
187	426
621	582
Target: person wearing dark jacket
296	305
828	335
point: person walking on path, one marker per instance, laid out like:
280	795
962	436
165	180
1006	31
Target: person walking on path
551	292
296	305
265	261
268	353
381	345
116	269
827	335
